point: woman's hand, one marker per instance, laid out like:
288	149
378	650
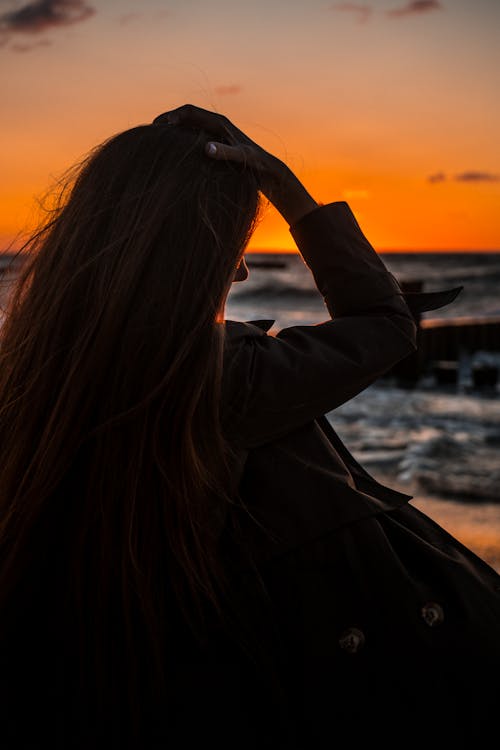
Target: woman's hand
277	181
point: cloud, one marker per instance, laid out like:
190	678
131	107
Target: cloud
228	89
472	175
161	14
477	176
414	8
20	47
127	18
436	177
355	194
40	15
362	11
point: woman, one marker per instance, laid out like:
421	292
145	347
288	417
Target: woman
188	552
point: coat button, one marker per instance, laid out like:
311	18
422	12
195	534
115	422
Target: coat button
432	614
352	640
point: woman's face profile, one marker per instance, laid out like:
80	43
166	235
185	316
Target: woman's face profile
241	272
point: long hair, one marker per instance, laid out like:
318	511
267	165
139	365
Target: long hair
114	469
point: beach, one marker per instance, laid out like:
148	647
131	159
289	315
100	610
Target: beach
477	525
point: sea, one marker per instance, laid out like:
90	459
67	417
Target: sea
438	442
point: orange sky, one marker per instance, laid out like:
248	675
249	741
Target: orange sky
391	105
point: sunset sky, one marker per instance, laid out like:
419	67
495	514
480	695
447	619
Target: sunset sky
392	105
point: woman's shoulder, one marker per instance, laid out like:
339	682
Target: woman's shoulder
236	329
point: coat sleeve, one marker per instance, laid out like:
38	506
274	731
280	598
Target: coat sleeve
274	384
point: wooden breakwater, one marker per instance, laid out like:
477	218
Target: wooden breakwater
450	338
447	346
442	344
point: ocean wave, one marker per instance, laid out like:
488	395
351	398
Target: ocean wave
469	275
277	291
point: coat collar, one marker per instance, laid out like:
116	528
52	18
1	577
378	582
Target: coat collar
264	324
423	301
236	329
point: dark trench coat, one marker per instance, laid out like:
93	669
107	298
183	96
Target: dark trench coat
369	622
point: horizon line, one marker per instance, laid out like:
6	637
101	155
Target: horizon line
295	251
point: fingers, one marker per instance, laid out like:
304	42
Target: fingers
196	117
224	152
235	145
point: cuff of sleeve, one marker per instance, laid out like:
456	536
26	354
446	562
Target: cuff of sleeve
348	272
422	301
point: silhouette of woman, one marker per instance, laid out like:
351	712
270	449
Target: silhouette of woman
188	552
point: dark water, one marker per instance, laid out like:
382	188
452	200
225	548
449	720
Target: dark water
289	296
